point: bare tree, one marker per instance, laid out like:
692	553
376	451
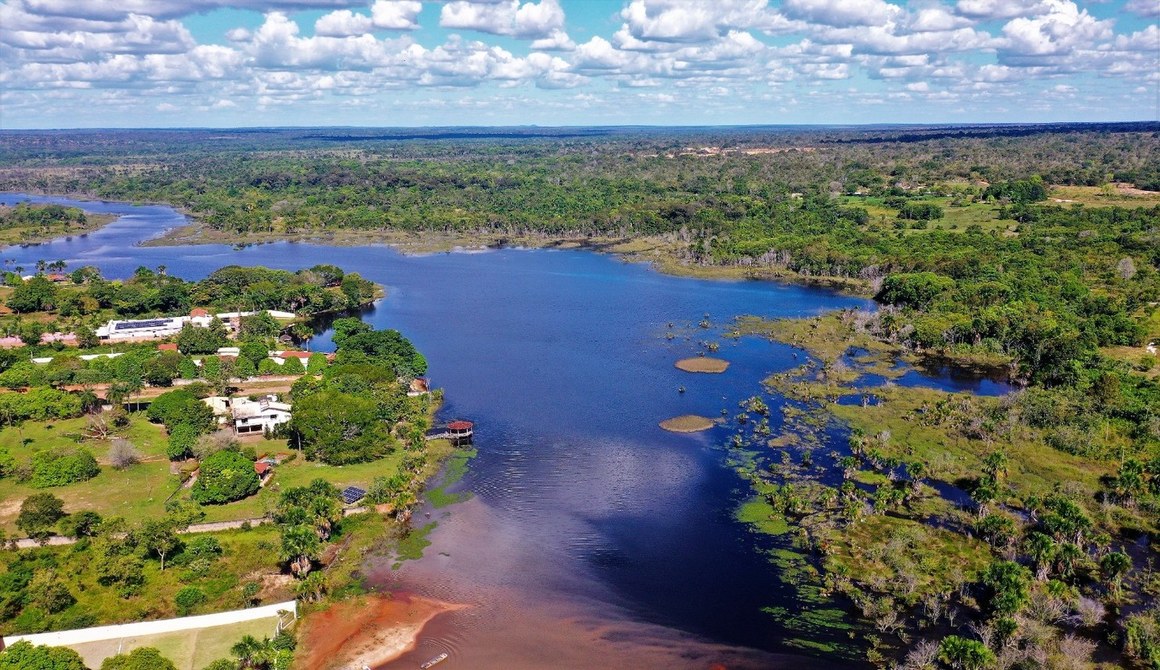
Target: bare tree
1126	268
122	453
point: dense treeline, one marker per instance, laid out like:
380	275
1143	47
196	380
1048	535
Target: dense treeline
322	288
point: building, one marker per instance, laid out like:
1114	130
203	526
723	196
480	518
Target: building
161	328
250	417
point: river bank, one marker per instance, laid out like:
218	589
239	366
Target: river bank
365	632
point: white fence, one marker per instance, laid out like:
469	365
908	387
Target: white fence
63	638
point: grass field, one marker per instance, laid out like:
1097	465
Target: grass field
189	650
140	491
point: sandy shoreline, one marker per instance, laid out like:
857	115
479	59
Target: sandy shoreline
366	632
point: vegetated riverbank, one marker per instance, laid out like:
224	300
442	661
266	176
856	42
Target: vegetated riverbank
936	521
37	234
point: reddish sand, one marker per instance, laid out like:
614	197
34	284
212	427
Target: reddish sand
365	632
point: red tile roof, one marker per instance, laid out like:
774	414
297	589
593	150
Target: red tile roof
261	468
295	354
168	346
198	311
460	425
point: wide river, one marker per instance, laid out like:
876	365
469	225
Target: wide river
592	538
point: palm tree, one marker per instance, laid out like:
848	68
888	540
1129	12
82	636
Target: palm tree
1042	550
249	651
1113	567
300	547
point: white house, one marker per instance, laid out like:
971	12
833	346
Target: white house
160	328
250	416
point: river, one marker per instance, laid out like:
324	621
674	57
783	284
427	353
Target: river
591	538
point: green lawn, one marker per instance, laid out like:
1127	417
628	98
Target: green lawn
189	650
140	491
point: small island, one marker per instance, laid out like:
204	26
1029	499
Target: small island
703	364
688	423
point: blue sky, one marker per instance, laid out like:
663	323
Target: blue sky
174	63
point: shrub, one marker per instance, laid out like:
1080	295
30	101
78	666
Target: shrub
122	453
189	598
61	467
141	658
225	476
39	513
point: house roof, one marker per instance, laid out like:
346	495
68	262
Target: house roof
261	468
168	346
198	311
295	354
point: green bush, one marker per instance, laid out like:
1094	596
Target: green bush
189	598
24	656
141	658
61	467
225	476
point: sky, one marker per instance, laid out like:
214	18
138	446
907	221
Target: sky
235	63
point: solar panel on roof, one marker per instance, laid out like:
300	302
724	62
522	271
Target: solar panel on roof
133	325
352	494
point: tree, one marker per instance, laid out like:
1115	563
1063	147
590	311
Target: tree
81	524
180	407
197	340
122	453
182	439
38	514
338	428
300	548
37	294
158	536
347	327
24	656
224	477
1009	586
960	652
1113	567
49	592
141	658
316	505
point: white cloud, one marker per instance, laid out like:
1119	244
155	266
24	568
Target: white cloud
987	10
843	13
1054	37
343	23
528	20
396	14
1147	8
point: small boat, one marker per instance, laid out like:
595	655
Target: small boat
433	662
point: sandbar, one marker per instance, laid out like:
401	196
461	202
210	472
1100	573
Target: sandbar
703	364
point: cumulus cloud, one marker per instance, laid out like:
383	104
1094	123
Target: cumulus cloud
843	13
385	15
1062	30
528	20
1146	8
110	54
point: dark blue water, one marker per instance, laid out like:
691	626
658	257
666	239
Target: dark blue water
587	518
